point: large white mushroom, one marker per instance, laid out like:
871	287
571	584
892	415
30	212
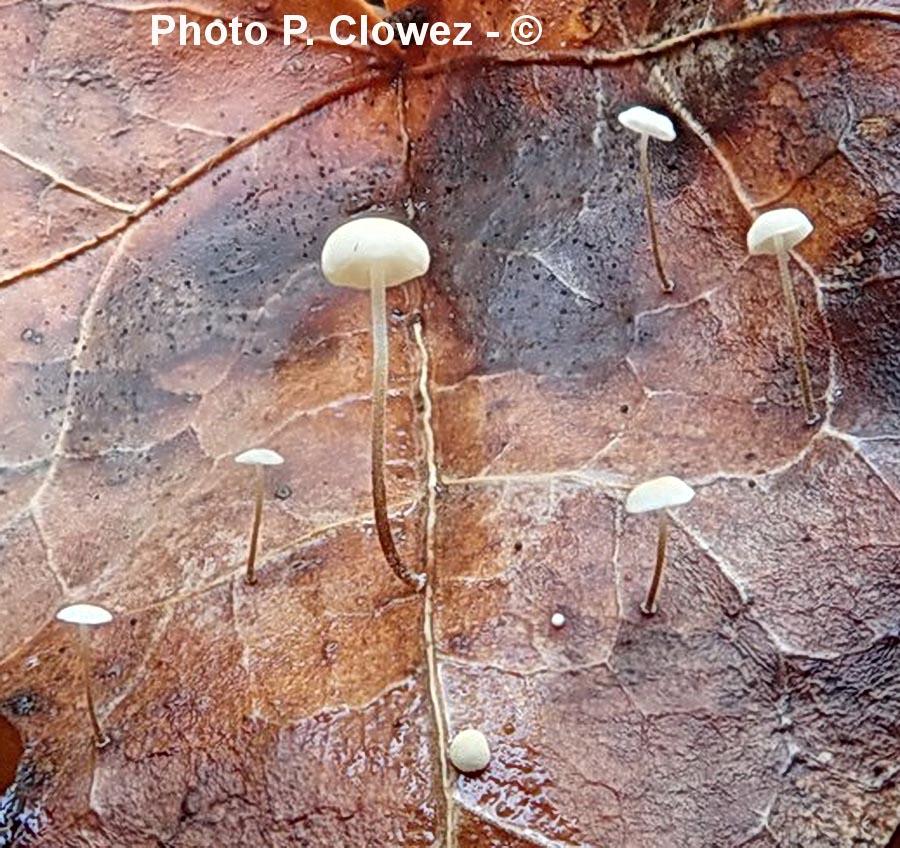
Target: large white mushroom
375	254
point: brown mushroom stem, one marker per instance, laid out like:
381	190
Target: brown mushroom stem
257	521
667	285
790	300
379	396
650	606
101	740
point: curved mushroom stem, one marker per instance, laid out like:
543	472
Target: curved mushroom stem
257	521
790	300
379	395
650	606
101	740
667	285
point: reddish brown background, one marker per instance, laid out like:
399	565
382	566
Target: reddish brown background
191	189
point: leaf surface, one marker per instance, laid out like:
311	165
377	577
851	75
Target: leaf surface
163	213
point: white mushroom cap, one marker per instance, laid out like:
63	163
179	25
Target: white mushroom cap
259	456
558	620
660	493
642	120
789	226
84	614
469	750
378	249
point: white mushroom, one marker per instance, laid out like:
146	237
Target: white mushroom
558	620
85	616
658	495
469	751
775	233
259	458
646	123
375	254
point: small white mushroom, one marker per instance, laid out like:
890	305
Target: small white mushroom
469	751
375	254
658	495
646	123
558	620
259	458
85	616
775	233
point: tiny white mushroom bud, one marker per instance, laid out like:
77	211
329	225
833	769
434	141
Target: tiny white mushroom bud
469	751
558	620
658	495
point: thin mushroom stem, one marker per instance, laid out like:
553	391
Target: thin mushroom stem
257	521
379	397
650	606
101	740
667	285
790	300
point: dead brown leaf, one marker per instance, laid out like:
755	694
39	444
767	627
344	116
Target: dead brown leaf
162	214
